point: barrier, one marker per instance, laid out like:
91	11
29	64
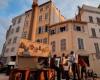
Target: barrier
17	74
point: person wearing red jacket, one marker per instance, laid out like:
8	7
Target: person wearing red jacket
83	65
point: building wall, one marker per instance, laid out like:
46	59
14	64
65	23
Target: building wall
11	45
57	38
71	37
27	22
48	8
54	16
87	11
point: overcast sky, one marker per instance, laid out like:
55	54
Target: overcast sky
12	8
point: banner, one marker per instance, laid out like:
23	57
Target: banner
28	48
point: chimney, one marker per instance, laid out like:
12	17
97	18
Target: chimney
34	21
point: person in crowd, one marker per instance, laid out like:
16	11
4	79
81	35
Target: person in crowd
54	66
83	67
45	65
63	57
31	76
38	66
66	68
73	58
62	63
27	74
18	76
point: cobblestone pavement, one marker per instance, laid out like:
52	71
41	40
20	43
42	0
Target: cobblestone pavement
3	77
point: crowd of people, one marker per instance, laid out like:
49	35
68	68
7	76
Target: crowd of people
69	64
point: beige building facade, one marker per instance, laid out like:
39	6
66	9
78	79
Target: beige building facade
70	36
48	15
21	26
13	37
92	16
81	35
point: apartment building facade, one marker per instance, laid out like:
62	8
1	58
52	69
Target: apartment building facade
20	28
69	35
48	15
92	16
81	35
13	37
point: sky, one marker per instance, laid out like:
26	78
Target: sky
11	8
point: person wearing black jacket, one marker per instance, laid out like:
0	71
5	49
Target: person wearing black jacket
54	66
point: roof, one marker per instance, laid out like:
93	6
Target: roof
39	6
18	16
91	8
68	21
45	3
28	10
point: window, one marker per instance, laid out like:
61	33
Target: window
14	22
63	44
12	49
46	28
91	19
78	28
26	23
12	31
28	15
98	21
46	15
17	29
41	9
47	6
53	32
40	30
62	29
9	41
80	43
53	44
24	35
7	50
13	58
97	50
40	18
38	40
45	40
15	40
19	19
93	32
